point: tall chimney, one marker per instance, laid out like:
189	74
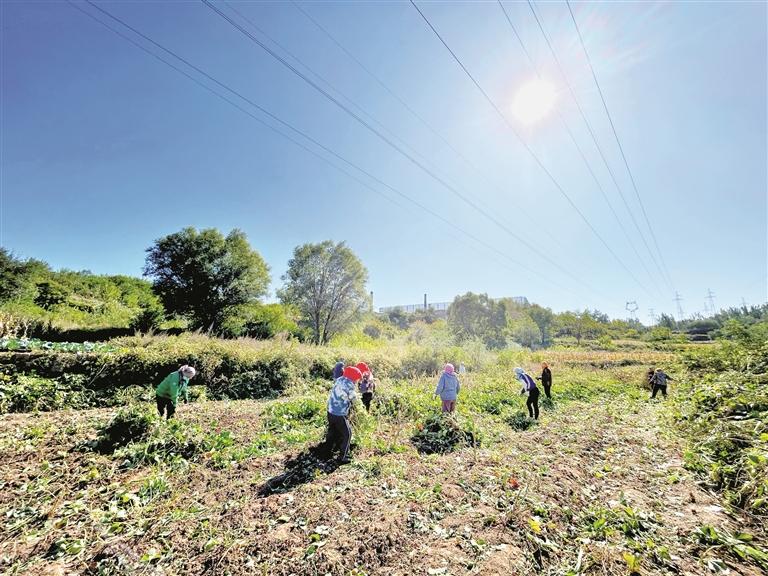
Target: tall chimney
425	301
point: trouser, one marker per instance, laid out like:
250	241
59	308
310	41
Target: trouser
165	405
533	403
548	390
449	405
339	434
367	397
656	389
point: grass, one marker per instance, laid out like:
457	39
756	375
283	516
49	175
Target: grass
234	487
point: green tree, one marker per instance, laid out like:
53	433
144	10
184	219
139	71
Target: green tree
13	275
50	294
579	325
326	283
398	317
262	321
476	315
544	319
525	332
204	276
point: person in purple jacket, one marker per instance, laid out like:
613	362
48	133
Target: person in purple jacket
529	385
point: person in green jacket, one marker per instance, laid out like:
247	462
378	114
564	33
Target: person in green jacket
168	391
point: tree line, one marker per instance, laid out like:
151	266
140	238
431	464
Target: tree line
196	280
207	281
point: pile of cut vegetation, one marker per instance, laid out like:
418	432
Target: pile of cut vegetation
443	433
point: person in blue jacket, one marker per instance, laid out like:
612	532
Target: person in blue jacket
339	402
448	388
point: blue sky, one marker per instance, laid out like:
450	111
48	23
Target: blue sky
105	149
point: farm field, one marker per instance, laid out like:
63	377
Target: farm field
603	484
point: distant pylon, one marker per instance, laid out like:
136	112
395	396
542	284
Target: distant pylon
677	300
652	314
711	300
632	307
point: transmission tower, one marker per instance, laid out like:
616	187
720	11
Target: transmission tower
711	300
652	314
677	300
632	307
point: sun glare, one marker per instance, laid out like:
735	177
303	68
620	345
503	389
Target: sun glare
533	101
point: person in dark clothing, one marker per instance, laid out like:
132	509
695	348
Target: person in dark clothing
337	370
649	377
659	382
533	392
546	379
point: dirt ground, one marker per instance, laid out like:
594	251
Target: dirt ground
595	488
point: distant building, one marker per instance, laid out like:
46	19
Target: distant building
441	308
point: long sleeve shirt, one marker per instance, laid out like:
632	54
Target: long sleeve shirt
528	383
448	386
342	395
172	386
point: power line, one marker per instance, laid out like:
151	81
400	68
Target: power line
417	116
287	125
568	130
528	148
618	142
393	145
596	143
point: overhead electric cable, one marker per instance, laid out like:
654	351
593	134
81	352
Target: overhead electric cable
621	148
583	156
392	144
599	148
530	151
421	119
290	127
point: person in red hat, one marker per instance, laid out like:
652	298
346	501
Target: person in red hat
339	402
367	385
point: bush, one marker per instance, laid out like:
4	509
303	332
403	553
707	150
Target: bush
19	393
442	433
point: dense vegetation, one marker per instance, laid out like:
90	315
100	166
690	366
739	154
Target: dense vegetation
203	280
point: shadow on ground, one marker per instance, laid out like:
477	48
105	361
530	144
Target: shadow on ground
300	469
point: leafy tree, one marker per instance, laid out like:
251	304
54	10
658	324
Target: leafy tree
13	275
580	326
544	319
262	321
476	315
667	321
525	332
204	276
398	317
326	283
50	294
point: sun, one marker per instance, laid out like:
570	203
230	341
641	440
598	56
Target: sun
533	101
